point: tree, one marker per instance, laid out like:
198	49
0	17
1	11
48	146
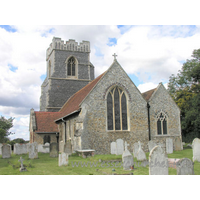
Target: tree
5	126
184	89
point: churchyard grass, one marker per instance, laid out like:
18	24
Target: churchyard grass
105	165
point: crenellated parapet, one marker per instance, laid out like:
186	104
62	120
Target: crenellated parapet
70	45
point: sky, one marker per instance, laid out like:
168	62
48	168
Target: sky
149	55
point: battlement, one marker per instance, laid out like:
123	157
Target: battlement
70	45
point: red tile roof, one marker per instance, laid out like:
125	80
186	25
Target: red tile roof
45	122
73	103
147	95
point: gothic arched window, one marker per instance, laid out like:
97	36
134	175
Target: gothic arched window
71	67
162	123
117	110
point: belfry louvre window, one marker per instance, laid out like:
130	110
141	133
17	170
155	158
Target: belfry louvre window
161	124
117	110
71	67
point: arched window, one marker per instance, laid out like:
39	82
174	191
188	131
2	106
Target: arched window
117	110
162	123
47	138
71	67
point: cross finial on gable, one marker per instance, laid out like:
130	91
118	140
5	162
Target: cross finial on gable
115	55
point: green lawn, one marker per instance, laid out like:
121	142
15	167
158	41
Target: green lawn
105	164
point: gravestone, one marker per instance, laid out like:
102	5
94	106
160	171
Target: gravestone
1	148
20	149
185	167
151	145
178	144
46	147
158	162
127	158
141	156
135	149
68	147
33	150
22	168
120	146
196	149
54	150
113	148
6	151
169	146
63	159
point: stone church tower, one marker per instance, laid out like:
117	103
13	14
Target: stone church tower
68	70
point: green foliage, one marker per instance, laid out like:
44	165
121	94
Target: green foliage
184	89
5	126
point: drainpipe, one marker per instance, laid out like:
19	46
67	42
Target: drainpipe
148	110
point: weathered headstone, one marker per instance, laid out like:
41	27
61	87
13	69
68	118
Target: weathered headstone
135	149
68	147
1	148
158	162
141	156
20	149
6	151
127	158
185	167
54	149
113	148
33	150
151	145
22	168
169	146
178	144
63	159
196	149
120	146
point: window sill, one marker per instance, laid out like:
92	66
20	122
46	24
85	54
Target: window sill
123	131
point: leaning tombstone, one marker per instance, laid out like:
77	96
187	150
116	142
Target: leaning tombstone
141	156
120	146
127	159
169	146
6	151
196	149
22	168
185	167
113	148
151	145
178	144
1	148
63	159
158	162
135	149
68	147
54	150
33	150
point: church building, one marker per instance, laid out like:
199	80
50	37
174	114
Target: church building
90	113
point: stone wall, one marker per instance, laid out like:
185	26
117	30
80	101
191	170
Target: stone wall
39	138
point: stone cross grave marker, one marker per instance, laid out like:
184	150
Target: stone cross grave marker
141	156
113	148
196	149
135	149
22	168
185	167
158	162
6	151
169	145
120	146
53	149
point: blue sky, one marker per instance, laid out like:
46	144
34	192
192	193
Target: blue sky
149	55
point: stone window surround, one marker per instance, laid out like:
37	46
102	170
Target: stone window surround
166	117
76	68
127	105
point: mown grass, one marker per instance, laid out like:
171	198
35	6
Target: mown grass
97	165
